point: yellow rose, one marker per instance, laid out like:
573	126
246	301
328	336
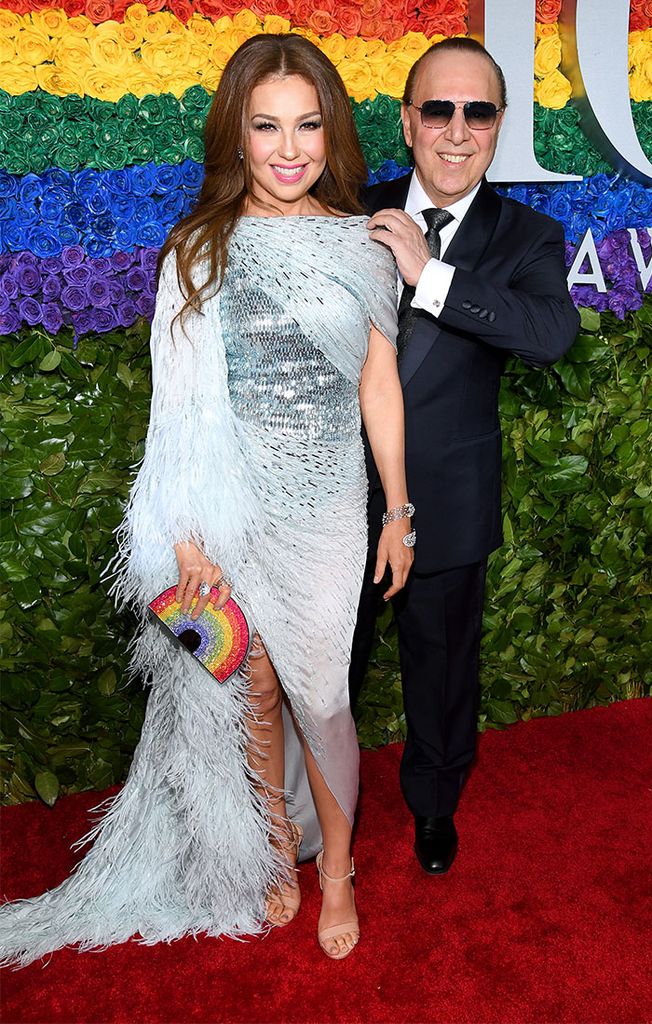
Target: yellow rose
141	82
178	84
547	55
247	22
553	91
104	85
376	49
198	55
392	75
80	26
639	87
131	36
437	38
275	24
17	78
220	52
108	49
222	25
356	76
542	30
73	52
7	50
412	45
210	78
10	23
156	26
237	37
33	46
53	22
201	29
639	51
59	81
167	55
334	47
356	48
136	15
647	70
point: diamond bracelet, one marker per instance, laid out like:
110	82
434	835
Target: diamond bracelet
400	512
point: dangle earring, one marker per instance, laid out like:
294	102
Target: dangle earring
240	152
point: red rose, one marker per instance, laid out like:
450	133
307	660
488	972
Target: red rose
349	20
548	11
182	9
283	8
371	8
98	11
74	8
372	28
302	11
154	5
392	30
322	23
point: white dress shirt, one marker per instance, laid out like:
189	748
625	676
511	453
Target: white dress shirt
437	276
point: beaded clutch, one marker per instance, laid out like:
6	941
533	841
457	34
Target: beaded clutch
218	639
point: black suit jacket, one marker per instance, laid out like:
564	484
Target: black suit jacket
509	296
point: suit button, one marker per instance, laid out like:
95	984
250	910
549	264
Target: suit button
466	304
483	313
475	309
491	317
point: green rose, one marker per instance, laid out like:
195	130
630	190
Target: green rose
150	109
196	98
110	158
195	150
127	107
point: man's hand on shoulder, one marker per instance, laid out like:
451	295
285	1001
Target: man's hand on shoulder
397	230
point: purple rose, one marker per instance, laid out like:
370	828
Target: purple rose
29	280
52	265
145	305
127	313
26	259
9	286
9	322
624	299
79	275
101	266
5	302
82	323
149	259
122	260
51	287
72	256
116	290
136	280
98	292
30	310
104	319
52	318
74	298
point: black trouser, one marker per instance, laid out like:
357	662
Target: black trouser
439	619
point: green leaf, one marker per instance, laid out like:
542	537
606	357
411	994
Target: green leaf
50	361
53	464
107	682
576	378
26	351
47	787
590	319
27	592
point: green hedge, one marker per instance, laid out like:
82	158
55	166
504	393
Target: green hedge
565	623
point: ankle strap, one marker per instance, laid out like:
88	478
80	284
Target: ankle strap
324	874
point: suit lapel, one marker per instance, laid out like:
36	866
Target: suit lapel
390	195
465	253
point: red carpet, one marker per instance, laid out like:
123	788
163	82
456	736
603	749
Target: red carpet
546	915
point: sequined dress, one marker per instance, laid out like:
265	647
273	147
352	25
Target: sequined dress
253	449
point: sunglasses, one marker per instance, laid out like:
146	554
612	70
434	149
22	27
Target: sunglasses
478	114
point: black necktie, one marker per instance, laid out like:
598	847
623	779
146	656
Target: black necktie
435	219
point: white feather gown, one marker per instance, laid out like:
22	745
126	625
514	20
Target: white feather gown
253	449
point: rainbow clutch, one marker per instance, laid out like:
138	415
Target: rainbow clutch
219	640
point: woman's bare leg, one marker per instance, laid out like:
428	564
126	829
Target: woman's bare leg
338	904
267	758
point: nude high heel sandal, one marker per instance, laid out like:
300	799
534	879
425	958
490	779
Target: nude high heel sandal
349	927
288	894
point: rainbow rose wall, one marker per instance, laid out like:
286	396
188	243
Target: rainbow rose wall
102	112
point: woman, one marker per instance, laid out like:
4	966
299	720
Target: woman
270	336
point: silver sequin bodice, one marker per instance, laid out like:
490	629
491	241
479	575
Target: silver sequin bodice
278	379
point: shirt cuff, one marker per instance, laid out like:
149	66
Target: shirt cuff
433	286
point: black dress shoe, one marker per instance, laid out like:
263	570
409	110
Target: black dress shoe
435	843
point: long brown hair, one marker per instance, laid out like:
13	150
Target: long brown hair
227	180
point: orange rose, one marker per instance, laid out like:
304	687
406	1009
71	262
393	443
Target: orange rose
350	20
322	23
98	11
548	10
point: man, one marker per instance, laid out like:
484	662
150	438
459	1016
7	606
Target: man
485	282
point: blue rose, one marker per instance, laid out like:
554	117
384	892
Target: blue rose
44	241
125	235
52	211
141	179
118	182
96	246
30	190
171	207
68	235
168	178
153	233
146	211
7	208
192	176
54	176
26	214
123	207
12	235
99	201
104	226
8	184
86	184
